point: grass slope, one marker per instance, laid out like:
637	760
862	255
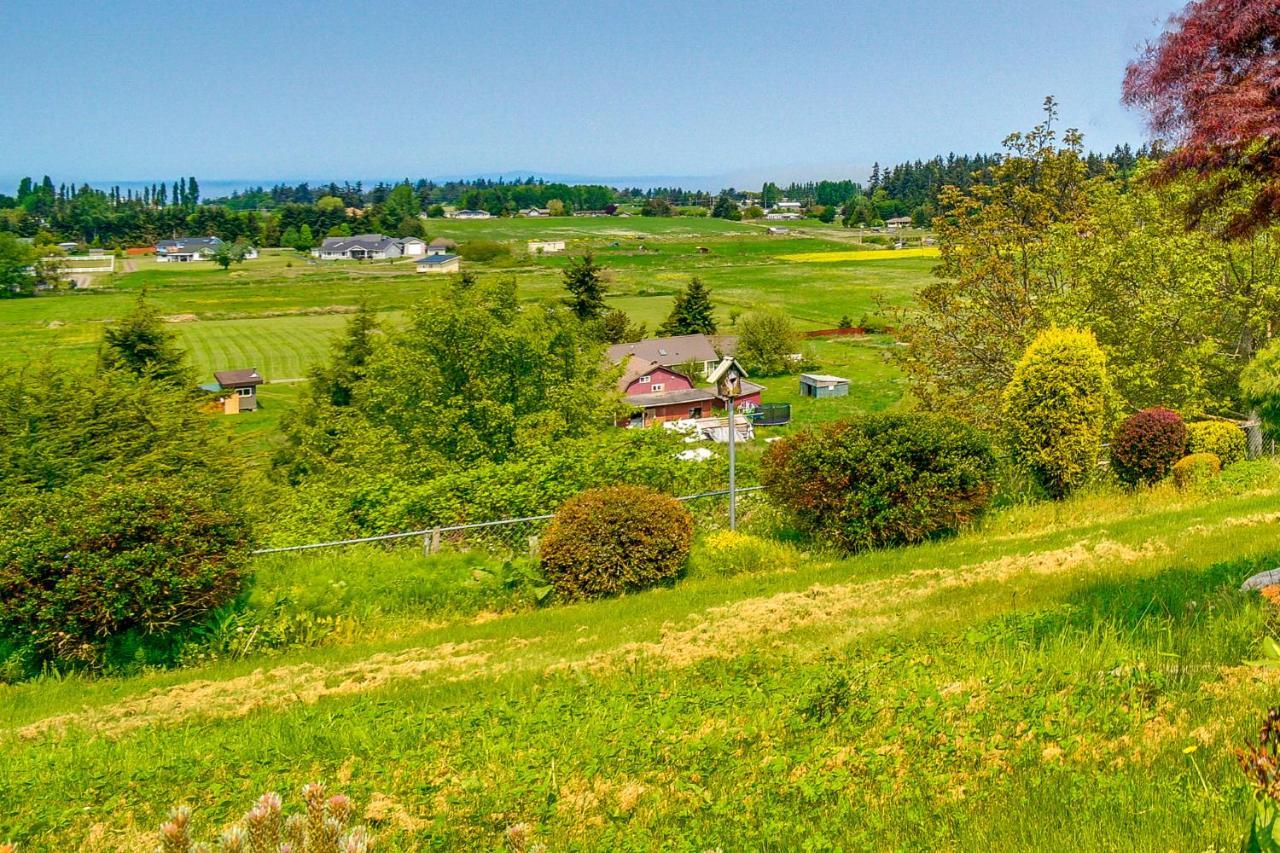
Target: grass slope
1069	671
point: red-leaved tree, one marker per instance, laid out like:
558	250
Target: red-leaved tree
1211	86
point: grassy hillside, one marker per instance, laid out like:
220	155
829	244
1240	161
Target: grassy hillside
277	311
1085	664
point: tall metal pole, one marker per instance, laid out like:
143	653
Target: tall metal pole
733	492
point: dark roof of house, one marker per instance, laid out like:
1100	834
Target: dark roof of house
667	351
238	378
671	398
435	259
368	242
186	244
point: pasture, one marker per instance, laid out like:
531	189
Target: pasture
278	312
1086	662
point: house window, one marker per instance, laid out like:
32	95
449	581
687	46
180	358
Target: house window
644	379
695	412
245	392
657	386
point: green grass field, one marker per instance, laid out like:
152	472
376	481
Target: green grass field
1069	674
277	313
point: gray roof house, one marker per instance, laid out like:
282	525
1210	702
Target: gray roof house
705	350
360	247
186	249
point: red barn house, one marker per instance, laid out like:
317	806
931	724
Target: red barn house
662	394
653	384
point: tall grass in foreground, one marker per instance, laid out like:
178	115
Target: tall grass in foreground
1070	674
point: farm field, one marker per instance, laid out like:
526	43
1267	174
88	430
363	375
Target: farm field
278	312
1087	662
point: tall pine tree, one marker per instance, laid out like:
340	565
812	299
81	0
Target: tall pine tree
691	313
584	280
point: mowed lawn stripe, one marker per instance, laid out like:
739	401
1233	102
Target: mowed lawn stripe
281	347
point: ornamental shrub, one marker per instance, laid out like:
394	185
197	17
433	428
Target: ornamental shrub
84	566
1221	438
1147	444
1195	469
1055	408
882	479
615	539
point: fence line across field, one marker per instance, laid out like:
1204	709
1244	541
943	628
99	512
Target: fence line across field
433	532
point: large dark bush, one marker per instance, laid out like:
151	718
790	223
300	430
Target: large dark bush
83	566
881	480
1147	444
615	539
483	250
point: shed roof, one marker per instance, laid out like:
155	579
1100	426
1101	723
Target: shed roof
238	378
435	260
822	379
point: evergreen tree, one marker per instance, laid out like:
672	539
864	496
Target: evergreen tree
726	208
335	383
584	280
139	343
305	239
691	313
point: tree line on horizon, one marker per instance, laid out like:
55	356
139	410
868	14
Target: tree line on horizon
117	217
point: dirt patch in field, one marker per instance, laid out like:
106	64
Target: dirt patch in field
264	688
863	607
182	318
387	811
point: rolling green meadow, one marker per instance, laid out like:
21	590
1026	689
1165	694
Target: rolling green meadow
1059	675
278	312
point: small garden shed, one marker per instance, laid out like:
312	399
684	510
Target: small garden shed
822	385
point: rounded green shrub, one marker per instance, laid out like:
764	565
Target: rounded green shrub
483	250
1147	444
1055	409
1196	468
1221	438
83	566
615	539
882	479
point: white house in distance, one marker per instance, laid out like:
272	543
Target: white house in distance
183	250
441	263
545	247
470	214
898	222
363	247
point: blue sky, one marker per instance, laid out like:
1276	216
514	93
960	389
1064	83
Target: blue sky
736	91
